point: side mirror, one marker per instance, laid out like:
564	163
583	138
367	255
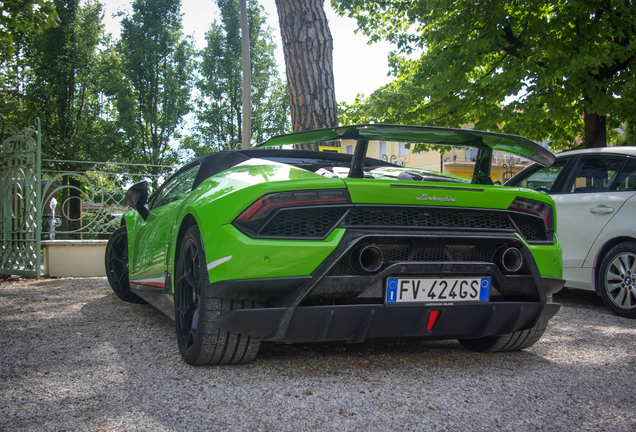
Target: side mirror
137	198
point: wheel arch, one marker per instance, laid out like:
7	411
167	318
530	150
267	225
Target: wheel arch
187	222
601	254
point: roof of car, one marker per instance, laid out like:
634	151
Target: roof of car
213	163
627	150
420	134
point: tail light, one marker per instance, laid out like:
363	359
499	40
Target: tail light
535	208
269	204
432	319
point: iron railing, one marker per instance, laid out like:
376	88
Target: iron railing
86	202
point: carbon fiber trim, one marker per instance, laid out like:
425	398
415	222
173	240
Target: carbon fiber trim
359	322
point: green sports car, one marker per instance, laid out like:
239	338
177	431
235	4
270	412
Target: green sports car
273	244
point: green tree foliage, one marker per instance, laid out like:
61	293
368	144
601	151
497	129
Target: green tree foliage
156	80
56	75
14	75
64	85
220	104
556	70
22	16
628	137
20	21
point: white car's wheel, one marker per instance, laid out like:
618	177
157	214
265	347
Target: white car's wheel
616	279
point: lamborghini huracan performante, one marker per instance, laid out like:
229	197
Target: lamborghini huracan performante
276	244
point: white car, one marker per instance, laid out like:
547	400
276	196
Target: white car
595	195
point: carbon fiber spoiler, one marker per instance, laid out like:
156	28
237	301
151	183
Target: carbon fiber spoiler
486	142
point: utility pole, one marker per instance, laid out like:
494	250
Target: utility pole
247	79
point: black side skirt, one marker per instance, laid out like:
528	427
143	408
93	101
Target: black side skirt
156	297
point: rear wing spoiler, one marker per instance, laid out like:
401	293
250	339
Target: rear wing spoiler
486	142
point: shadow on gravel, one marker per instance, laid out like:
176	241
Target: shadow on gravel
590	304
385	353
378	352
75	357
278	366
291	360
581	298
111	304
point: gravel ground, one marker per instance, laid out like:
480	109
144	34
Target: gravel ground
74	357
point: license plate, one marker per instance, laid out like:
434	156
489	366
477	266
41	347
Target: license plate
437	290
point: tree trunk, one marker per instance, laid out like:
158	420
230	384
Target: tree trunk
595	130
308	50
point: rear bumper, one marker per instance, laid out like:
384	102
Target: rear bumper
334	305
355	323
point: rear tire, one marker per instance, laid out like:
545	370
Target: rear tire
116	260
200	341
616	282
516	341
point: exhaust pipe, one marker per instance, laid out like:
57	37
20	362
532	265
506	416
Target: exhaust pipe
511	260
367	259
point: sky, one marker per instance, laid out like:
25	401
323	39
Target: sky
358	67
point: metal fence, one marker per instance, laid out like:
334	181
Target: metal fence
54	199
20	201
86	202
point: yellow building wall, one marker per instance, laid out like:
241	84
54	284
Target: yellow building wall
452	162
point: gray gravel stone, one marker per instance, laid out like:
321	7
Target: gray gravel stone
74	357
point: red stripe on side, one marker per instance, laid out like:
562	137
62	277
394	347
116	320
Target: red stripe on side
154	284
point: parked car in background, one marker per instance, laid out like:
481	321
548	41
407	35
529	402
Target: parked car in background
277	244
595	195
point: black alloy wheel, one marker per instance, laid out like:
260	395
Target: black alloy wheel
200	341
116	260
187	300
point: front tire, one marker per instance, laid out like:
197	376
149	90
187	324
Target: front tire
201	342
515	341
116	260
616	282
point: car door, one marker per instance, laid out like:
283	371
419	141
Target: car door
622	223
585	205
154	234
